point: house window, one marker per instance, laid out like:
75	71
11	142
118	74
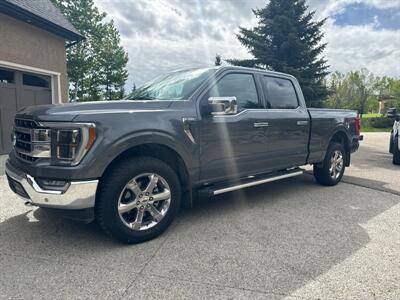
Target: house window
7	76
36	80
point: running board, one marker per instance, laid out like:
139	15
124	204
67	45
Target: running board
257	182
226	187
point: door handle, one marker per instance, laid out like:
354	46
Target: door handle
262	124
302	123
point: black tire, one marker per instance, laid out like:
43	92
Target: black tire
391	143
322	172
396	152
111	188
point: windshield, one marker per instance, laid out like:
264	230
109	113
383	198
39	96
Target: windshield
177	85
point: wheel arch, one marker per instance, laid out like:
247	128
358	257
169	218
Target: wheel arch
158	148
340	136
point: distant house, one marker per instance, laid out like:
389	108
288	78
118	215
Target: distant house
34	35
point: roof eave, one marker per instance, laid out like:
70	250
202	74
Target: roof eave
32	19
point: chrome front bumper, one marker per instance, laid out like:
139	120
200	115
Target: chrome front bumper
78	195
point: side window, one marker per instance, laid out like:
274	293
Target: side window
241	86
280	93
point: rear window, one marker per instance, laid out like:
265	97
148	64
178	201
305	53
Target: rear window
280	93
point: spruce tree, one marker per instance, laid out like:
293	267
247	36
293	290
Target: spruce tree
288	40
218	60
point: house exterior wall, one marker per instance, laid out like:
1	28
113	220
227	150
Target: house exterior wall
22	43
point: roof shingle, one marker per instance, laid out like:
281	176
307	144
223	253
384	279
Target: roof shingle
45	10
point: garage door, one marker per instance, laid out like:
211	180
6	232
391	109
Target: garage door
17	90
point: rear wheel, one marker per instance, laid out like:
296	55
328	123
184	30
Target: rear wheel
138	199
391	143
396	152
332	169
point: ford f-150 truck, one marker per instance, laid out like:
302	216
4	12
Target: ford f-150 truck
191	133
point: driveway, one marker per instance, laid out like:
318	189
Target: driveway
291	239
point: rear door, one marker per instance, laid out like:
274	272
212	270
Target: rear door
288	123
233	146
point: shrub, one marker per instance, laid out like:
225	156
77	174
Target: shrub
381	122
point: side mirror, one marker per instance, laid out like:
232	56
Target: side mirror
222	105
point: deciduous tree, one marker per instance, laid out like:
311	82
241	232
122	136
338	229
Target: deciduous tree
97	65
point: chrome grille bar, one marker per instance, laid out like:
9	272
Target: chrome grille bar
31	141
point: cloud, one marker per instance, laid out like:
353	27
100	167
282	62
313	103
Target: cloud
356	47
162	35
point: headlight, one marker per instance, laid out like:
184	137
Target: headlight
69	141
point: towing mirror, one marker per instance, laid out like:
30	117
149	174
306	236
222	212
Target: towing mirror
222	105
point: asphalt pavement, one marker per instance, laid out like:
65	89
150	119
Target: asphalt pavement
291	239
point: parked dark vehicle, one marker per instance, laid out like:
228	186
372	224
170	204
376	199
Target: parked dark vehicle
394	147
131	164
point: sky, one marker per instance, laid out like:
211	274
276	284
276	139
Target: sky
163	35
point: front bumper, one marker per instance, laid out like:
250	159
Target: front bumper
79	194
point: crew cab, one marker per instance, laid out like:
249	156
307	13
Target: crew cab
191	133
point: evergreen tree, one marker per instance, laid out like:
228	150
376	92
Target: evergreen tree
92	76
218	60
133	87
288	40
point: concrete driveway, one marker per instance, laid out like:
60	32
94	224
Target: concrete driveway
291	239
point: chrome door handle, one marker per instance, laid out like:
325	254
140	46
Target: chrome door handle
262	124
302	123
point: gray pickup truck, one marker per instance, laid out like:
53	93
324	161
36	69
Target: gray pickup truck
394	147
189	134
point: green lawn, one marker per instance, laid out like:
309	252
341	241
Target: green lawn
371	129
365	124
367	116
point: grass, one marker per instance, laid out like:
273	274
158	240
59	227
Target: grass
367	116
365	125
372	129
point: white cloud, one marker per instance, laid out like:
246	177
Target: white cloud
356	47
162	35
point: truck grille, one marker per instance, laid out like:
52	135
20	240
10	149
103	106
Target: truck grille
23	140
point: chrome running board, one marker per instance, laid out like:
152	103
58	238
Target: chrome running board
257	182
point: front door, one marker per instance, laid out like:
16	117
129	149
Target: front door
233	146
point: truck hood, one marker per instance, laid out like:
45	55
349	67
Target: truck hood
69	111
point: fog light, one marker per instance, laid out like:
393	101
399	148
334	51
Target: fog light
52	184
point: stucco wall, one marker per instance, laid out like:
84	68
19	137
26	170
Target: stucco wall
25	44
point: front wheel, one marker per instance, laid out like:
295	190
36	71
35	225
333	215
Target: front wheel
332	169
138	199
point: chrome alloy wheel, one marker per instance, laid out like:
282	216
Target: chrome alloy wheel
144	201
337	164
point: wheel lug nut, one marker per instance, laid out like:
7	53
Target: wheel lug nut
151	198
147	193
141	195
142	207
